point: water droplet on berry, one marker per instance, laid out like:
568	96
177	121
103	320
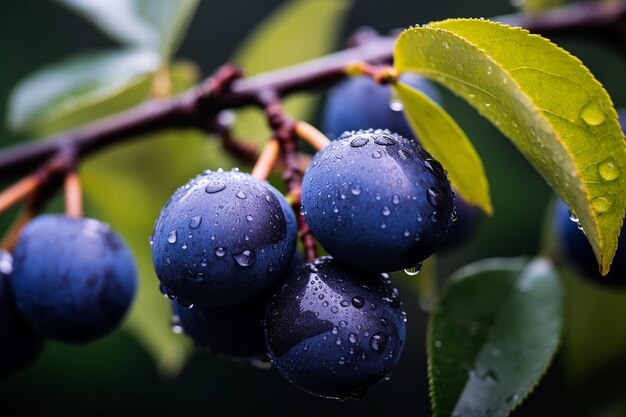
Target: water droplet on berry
385	140
356	190
219	252
194	223
215	187
376	155
241	195
359	141
378	341
386	211
414	270
245	258
358	301
171	236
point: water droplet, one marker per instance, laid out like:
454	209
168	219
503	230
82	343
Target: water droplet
352	338
438	343
356	190
384	321
203	262
241	195
433	165
386	211
171	237
608	170
601	204
395	104
219	252
359	141
194	223
245	258
434	197
395	199
572	216
345	303
342	360
270	267
184	245
592	113
414	270
404	154
378	342
434	217
335	330
334	309
406	233
249	217
385	140
358	301
215	187
513	122
338	341
376	155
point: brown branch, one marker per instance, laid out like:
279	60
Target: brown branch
225	91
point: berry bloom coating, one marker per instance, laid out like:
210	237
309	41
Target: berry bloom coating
20	345
361	103
222	238
576	250
377	201
73	278
334	331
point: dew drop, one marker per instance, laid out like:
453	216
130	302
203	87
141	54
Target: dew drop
434	217
404	154
434	197
249	217
334	309
345	303
385	140
376	155
572	216
601	204
245	258
356	190
514	122
241	195
608	170
171	237
219	252
406	233
352	338
184	246
358	301
386	211
359	141
592	113
378	342
414	270
395	104
194	223
215	187
395	199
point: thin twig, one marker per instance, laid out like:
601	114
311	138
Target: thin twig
266	160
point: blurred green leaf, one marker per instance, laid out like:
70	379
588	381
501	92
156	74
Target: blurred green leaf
538	6
456	153
595	334
158	25
492	336
73	86
286	38
543	99
127	186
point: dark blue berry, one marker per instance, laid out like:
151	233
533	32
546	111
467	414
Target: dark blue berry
467	219
222	238
361	103
335	331
377	201
234	331
576	251
73	278
20	344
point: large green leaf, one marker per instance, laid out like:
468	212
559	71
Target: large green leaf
76	84
543	99
279	41
445	140
492	336
158	25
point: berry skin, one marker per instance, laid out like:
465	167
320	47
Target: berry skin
73	278
468	217
359	102
234	331
334	331
576	250
377	201
20	344
223	238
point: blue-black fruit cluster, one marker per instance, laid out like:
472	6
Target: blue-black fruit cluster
73	278
361	103
222	238
19	345
377	201
335	331
575	249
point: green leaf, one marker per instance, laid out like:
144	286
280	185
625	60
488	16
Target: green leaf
492	336
538	6
127	186
543	99
278	42
444	139
68	87
158	25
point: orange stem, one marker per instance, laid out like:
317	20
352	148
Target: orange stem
73	195
311	135
266	161
18	191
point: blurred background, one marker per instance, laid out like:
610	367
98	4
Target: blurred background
138	370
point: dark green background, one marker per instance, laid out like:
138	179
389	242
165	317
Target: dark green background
115	376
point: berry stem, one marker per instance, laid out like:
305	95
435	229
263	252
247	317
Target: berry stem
267	160
311	135
10	238
18	191
73	194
